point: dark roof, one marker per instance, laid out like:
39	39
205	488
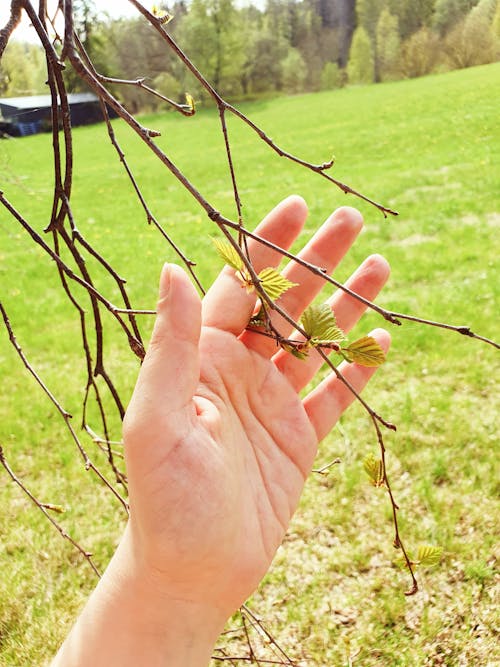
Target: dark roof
44	101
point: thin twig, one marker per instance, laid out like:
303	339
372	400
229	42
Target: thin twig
44	508
388	315
89	465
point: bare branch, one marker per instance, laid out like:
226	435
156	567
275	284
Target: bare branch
11	25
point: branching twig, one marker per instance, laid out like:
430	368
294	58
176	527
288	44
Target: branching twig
388	315
45	508
89	465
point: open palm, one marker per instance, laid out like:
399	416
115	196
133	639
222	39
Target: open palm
218	440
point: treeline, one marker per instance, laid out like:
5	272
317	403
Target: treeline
290	46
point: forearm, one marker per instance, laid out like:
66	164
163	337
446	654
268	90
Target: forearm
130	620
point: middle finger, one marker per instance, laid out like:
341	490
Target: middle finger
325	250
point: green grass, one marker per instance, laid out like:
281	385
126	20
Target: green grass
430	149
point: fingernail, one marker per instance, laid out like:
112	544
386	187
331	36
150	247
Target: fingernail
164	281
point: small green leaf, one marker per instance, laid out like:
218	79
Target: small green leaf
161	14
318	321
374	468
428	555
300	351
273	283
365	351
228	254
259	319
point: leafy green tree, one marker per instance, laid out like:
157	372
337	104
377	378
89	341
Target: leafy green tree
420	53
472	41
361	65
367	14
210	34
388	47
131	51
252	26
448	13
22	70
281	19
265	69
294	71
309	42
331	76
412	14
486	10
495	24
338	20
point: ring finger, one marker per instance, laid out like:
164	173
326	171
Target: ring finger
367	281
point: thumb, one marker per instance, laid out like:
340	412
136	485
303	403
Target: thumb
170	371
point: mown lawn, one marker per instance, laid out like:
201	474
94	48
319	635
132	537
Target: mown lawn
430	149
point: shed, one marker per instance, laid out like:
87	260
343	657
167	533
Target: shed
29	115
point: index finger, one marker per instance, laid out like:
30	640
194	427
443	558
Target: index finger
227	305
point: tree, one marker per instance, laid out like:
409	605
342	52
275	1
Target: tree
412	14
495	29
211	36
448	13
495	24
309	43
132	50
22	70
472	41
294	71
485	10
337	23
367	14
388	47
92	37
331	76
361	65
265	69
420	53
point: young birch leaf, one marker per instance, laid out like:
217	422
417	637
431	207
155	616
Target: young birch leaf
365	351
273	283
190	102
54	508
428	556
374	469
161	14
259	319
228	254
318	321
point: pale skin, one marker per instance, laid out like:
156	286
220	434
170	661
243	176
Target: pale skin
218	446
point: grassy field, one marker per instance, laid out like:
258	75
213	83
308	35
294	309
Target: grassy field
429	148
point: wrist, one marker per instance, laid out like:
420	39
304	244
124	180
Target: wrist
159	611
133	618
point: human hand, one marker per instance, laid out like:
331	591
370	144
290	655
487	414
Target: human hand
218	441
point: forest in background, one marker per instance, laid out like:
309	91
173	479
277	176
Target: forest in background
287	47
